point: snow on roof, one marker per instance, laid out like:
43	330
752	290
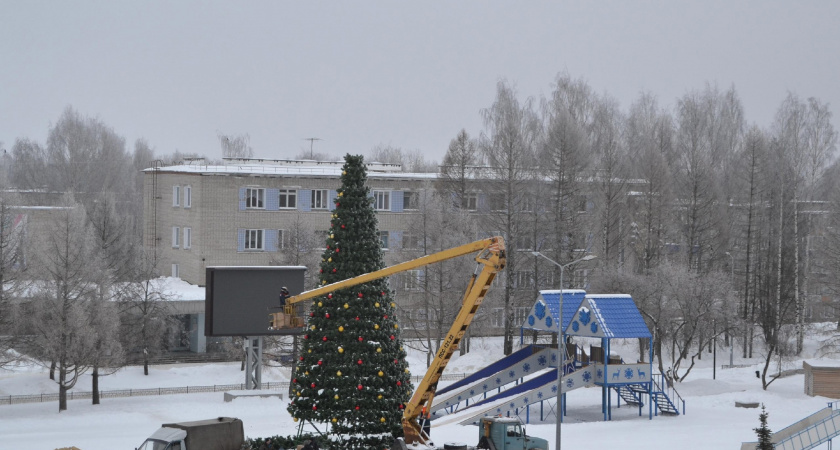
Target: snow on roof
273	169
823	362
176	289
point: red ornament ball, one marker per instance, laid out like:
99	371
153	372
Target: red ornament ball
360	388
312	385
329	295
294	380
357	406
334	270
402	406
320	362
312	314
385	316
396	361
322	271
399	383
360	295
337	250
357	317
314	408
359	362
382	293
392	337
342	226
361	339
324	339
327	315
301	358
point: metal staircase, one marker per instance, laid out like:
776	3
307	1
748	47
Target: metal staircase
665	397
632	393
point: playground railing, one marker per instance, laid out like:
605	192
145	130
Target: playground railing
666	386
816	429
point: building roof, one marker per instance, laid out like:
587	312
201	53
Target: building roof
609	316
543	315
259	167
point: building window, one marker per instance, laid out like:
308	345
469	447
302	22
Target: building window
176	195
412	280
175	272
255	198
497	317
187	237
496	202
523	279
424	318
523	242
254	240
410	241
520	314
472	202
319	199
176	237
383	237
288	199
187	196
411	200
382	200
281	239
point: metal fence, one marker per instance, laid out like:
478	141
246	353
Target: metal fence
82	395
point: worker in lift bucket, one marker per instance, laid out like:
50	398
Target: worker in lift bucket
284	294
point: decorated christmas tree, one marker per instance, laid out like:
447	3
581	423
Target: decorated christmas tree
352	379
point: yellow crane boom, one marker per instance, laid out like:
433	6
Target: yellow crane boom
490	260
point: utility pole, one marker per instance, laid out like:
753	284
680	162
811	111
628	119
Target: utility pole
311	143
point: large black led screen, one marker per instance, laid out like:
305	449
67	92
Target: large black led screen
238	299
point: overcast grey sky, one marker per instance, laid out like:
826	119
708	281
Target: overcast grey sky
408	74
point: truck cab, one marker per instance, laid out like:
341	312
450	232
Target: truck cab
165	439
505	433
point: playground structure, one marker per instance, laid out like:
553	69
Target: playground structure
528	378
811	432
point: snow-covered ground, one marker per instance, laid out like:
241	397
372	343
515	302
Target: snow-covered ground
711	422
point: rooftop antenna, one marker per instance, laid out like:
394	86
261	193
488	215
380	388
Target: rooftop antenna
311	142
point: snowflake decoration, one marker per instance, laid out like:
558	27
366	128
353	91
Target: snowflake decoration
553	357
587	376
600	373
539	310
540	395
549	322
526	367
542	361
525	401
570	383
628	373
513	405
594	327
554	388
531	320
459	398
472	391
498	381
575	327
511	373
585	316
485	387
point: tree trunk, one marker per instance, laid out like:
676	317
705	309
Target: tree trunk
800	321
62	389
95	385
52	370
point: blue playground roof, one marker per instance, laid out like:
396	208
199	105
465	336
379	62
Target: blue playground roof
545	312
610	316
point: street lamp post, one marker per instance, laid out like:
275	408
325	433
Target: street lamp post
561	354
732	282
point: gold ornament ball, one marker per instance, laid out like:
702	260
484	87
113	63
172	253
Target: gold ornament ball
396	326
329	259
382	420
381	373
312	327
320	304
376	326
340	349
295	419
336	396
379	397
340	330
338	374
344	172
334	419
376	304
346	306
393	305
379	350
